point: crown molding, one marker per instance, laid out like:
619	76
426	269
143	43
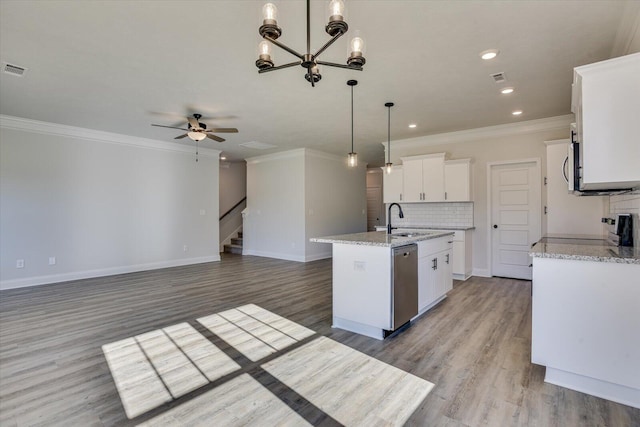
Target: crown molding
46	128
511	129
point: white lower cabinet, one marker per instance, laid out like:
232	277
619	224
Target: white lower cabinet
434	271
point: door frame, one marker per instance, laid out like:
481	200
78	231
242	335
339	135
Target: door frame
537	202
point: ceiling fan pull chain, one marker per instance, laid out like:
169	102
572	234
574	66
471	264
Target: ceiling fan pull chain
196	151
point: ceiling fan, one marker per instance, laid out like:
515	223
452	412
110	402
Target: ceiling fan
198	131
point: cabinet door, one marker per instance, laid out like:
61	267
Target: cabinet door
458	258
393	185
446	270
426	279
457	182
412	172
433	179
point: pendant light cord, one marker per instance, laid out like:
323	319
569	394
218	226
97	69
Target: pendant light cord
389	136
352	119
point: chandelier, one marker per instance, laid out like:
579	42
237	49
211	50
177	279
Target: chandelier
336	27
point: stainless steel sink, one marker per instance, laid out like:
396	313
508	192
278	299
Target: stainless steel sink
408	234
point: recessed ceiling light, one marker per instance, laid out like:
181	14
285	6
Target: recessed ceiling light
412	125
489	54
517	112
223	158
506	90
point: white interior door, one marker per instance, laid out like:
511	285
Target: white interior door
515	217
374	208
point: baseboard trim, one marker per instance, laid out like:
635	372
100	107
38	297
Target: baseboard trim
317	257
276	255
87	274
481	272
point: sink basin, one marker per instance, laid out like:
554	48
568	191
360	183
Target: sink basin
408	234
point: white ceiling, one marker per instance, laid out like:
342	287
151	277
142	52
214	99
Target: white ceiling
115	65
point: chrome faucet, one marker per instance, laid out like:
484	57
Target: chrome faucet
400	214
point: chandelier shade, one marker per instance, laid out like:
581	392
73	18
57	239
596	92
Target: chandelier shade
336	28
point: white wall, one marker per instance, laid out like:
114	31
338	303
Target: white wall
335	200
274	221
497	143
299	194
100	204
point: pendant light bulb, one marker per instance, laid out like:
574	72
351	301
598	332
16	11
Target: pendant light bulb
264	48
389	168
352	159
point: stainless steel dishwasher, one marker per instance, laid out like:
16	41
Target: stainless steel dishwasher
404	287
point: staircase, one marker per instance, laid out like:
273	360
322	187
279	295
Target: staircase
236	245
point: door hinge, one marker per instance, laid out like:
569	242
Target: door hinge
545	180
545	210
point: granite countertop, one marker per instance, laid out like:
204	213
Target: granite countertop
583	248
379	238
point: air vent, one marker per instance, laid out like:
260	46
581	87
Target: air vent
499	77
13	69
257	145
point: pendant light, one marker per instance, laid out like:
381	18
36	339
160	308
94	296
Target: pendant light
389	165
353	156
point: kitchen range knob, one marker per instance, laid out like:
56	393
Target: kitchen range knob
495	225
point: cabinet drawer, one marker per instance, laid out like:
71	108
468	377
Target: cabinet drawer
432	246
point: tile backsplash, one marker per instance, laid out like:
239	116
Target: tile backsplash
434	214
628	203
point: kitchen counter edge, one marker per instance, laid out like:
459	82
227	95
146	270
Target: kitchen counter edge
378	238
597	253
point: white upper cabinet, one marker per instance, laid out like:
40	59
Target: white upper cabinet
429	178
606	102
424	178
393	188
457	180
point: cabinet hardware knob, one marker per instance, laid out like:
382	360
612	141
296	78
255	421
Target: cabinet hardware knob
495	225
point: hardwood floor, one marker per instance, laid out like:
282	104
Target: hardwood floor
475	346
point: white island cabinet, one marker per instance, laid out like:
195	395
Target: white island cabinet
363	277
586	318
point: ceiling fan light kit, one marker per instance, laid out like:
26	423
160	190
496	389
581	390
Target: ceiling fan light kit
336	27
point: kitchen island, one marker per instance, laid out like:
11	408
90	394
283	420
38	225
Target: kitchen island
363	272
586	317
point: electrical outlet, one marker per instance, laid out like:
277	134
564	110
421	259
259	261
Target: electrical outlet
359	265
52	260
185	248
202	212
20	263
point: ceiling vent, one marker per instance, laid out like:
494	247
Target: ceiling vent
13	69
499	77
257	145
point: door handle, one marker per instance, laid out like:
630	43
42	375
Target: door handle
495	225
564	169
447	261
434	263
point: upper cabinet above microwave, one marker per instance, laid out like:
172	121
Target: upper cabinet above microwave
606	102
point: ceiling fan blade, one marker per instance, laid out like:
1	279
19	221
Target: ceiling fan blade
170	127
223	130
193	122
215	138
180	137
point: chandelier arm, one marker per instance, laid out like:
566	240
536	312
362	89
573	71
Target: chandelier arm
327	44
285	47
279	67
333	64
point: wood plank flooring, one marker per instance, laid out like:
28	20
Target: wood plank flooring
475	346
